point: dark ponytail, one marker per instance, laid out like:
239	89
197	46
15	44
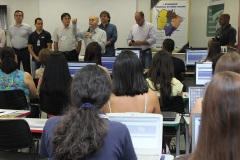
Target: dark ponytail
81	131
8	60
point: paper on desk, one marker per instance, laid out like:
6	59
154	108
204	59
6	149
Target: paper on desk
4	112
36	123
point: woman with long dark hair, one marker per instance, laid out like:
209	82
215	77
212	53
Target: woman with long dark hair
130	91
219	134
85	132
161	77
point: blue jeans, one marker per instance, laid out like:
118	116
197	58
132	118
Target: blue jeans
35	66
146	58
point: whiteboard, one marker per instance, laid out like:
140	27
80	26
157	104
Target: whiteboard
121	11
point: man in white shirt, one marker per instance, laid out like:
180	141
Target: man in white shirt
142	35
19	33
65	41
93	34
2	38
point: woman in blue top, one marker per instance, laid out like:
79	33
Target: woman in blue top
85	132
11	78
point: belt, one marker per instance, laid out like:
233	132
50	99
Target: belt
146	49
21	49
67	52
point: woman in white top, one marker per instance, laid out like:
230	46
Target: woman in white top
161	76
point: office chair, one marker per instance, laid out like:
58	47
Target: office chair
16	134
53	104
175	104
13	99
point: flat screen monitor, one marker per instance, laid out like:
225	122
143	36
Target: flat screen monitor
196	122
108	62
203	73
194	55
75	66
137	51
193	94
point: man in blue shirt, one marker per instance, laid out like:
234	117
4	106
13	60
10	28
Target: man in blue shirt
111	31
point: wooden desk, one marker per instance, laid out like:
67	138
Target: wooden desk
8	113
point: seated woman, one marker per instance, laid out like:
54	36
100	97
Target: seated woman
219	133
161	77
214	48
11	78
93	53
43	55
228	62
85	132
129	88
56	81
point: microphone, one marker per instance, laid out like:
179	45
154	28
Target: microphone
90	28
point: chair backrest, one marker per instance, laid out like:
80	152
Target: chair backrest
15	133
53	104
175	104
13	99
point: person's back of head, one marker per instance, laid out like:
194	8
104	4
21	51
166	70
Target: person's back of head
93	53
219	133
8	63
128	79
228	62
214	49
43	54
161	73
90	90
168	45
215	60
56	76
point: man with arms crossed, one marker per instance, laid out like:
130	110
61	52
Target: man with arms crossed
226	34
38	40
19	33
111	31
142	35
65	41
2	38
93	34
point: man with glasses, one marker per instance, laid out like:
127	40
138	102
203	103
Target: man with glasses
19	33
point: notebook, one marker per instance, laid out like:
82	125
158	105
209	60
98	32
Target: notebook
137	51
196	121
203	73
193	94
108	62
169	116
75	66
194	55
145	130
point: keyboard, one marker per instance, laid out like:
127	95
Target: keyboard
148	157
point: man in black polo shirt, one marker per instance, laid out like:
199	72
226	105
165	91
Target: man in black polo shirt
226	34
38	40
179	67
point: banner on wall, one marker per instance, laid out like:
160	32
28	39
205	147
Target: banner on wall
215	2
213	13
170	19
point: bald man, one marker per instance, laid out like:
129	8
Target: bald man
226	34
93	34
142	35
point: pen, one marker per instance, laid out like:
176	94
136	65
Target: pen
162	157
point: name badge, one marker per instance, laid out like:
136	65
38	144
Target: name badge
38	42
63	38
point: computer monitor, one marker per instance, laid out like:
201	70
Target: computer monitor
194	55
137	51
193	94
108	62
75	66
196	121
203	73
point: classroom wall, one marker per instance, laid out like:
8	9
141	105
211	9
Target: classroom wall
197	19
